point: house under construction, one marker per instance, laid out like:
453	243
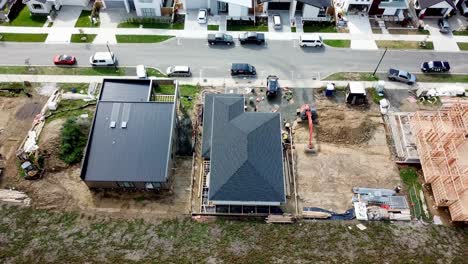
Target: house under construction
442	143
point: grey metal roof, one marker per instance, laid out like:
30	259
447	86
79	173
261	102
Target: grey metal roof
40	1
125	90
246	153
207	121
316	3
428	3
137	153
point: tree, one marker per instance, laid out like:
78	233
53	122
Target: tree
73	140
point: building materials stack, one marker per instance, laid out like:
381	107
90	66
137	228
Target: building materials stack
442	143
380	204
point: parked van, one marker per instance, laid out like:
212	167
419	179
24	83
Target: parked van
242	69
103	59
312	40
277	21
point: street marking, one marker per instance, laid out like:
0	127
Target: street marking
178	42
292	75
201	70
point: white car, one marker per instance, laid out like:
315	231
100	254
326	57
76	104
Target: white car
202	16
277	21
141	71
178	71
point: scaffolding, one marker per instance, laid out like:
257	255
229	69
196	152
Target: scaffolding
441	139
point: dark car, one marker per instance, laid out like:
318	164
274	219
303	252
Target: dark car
272	86
220	38
64	60
444	26
243	69
435	66
252	37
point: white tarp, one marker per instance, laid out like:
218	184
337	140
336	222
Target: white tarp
360	209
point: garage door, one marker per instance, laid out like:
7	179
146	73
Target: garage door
196	4
75	2
278	6
115	4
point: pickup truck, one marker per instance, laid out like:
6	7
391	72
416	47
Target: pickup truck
220	38
401	76
252	37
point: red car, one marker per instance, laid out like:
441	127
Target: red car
64	60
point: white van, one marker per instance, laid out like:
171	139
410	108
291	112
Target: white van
312	40
102	59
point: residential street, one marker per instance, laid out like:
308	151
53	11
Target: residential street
283	58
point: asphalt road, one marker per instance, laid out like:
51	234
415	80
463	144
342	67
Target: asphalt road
282	58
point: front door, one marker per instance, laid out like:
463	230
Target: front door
222	7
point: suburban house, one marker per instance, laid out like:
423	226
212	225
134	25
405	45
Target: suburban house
132	141
316	10
45	6
245	157
355	6
434	8
232	8
389	8
144	8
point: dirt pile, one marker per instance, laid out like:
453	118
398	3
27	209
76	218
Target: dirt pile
339	124
50	146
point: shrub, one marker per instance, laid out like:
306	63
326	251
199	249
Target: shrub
73	140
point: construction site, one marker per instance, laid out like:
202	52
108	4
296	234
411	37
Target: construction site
330	155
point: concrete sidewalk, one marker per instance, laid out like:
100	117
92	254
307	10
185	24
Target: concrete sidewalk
236	83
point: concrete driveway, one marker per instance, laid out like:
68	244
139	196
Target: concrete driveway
191	22
442	42
361	31
286	25
67	16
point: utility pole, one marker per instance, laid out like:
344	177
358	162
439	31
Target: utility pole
383	55
108	49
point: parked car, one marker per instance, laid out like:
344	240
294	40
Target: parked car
243	69
202	16
277	21
464	7
178	71
64	60
312	40
252	37
272	86
435	66
220	38
401	76
141	71
103	59
444	26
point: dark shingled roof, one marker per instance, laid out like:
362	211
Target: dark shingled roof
246	153
428	3
125	90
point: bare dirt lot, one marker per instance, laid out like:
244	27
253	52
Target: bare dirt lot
61	187
352	152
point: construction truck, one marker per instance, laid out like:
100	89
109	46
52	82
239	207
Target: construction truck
309	114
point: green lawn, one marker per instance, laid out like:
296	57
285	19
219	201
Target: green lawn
260	28
463	45
338	43
409	177
187	93
84	20
142	38
323	27
397	44
76	38
152	72
213	27
441	77
460	33
375	96
66	70
68	87
351	76
175	26
293	29
20	37
24	19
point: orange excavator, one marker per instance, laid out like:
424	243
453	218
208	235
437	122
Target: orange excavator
307	113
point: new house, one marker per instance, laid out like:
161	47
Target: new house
132	141
144	8
393	8
45	6
434	8
316	10
245	155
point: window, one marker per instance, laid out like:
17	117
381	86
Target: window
322	12
126	184
37	6
148	12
